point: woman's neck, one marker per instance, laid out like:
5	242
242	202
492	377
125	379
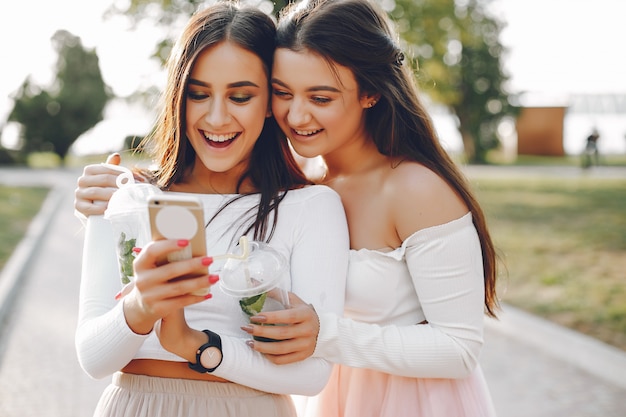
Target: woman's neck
202	181
354	160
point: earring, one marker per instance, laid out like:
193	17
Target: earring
371	104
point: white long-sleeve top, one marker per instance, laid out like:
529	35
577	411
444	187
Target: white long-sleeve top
311	233
435	275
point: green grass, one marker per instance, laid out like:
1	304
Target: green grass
19	206
51	160
563	246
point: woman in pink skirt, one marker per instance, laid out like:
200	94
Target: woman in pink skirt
422	264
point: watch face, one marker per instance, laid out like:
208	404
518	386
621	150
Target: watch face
211	357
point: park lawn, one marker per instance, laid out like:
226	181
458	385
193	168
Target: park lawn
563	246
19	206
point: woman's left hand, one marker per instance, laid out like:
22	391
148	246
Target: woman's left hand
95	187
296	332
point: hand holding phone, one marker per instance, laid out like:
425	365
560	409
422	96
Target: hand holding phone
179	217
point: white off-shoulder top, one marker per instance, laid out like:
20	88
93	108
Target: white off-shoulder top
435	275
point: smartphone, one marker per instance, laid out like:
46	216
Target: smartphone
179	217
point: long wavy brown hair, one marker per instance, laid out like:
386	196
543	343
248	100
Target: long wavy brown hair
357	34
272	168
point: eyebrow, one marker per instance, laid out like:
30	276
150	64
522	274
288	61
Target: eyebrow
193	81
312	89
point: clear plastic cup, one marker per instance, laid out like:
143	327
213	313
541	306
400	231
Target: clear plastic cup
128	213
258	278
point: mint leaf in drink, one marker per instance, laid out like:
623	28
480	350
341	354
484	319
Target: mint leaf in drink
126	256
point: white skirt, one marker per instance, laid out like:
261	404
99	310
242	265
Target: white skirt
131	395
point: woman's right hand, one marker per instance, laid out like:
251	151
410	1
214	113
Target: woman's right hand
296	332
95	187
157	292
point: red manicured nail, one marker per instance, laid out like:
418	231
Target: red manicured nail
118	295
209	295
207	260
213	279
182	243
136	250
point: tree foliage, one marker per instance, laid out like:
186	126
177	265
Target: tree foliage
453	44
52	120
172	15
456	46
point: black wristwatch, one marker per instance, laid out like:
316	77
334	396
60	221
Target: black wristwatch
213	349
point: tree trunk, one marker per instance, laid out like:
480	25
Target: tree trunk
468	145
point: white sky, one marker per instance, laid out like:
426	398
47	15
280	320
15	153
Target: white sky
26	50
556	46
566	46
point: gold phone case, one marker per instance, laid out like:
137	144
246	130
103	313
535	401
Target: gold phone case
178	217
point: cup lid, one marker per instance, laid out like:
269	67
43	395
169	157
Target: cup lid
262	270
130	196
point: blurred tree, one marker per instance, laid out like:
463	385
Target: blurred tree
52	120
172	15
456	46
454	43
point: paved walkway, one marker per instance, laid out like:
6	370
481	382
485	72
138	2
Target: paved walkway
534	368
39	372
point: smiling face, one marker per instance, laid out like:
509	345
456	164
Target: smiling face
226	106
319	107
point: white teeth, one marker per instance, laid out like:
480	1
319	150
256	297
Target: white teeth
219	138
306	132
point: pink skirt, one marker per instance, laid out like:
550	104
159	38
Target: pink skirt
353	392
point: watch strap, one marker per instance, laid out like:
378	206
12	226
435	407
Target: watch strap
214	341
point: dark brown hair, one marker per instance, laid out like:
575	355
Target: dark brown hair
272	168
357	34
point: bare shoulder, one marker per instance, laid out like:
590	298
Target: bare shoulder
414	180
420	198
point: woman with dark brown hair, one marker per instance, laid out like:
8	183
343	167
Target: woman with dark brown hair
215	141
422	264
